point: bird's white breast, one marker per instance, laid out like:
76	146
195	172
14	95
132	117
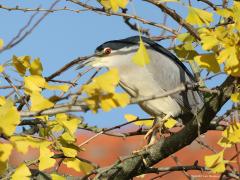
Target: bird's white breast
139	81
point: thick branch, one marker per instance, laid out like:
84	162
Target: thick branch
137	163
176	168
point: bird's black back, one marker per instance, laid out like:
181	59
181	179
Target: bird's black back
134	40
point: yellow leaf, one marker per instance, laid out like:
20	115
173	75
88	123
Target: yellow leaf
113	4
101	91
36	67
122	3
5	152
208	61
55	126
122	99
230	55
68	149
92	103
45	159
2	100
130	117
235	97
70	124
227	54
57	177
1	68
21	64
147	123
33	83
198	16
224	142
184	51
216	162
209	38
78	165
170	123
9	118
105	3
63	87
61	117
114	100
232	133
22	172
22	143
185	37
1	43
141	57
39	102
224	12
69	152
43	118
105	82
68	137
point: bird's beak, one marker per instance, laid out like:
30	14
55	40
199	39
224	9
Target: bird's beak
88	62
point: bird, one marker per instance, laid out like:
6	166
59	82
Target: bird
163	73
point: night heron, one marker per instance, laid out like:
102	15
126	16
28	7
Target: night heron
164	72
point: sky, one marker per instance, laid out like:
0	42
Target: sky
63	36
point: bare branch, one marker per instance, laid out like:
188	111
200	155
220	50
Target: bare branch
176	17
209	4
25	9
67	66
18	38
55	110
102	11
176	168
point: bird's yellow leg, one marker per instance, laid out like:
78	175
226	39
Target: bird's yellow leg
151	134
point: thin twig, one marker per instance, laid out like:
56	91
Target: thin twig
25	9
209	4
102	11
176	17
67	66
17	39
6	77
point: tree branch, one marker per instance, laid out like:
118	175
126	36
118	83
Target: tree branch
137	163
102	11
176	17
209	4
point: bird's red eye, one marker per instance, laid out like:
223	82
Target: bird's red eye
107	50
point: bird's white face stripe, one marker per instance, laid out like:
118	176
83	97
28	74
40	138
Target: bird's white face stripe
105	61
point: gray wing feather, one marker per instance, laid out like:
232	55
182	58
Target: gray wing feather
170	75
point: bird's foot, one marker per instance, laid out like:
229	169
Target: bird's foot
151	135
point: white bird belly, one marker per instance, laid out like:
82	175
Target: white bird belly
137	87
